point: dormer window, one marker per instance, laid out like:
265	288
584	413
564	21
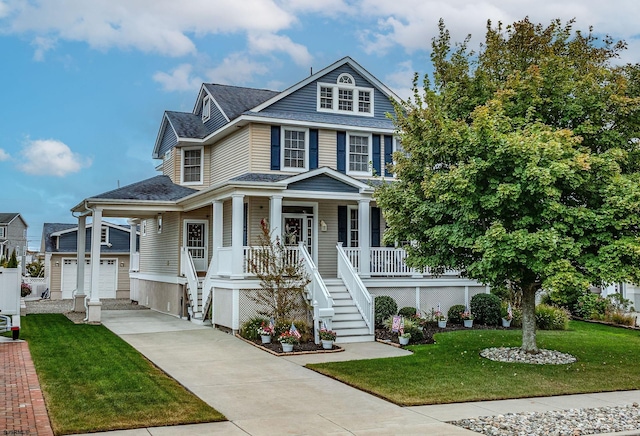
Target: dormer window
345	97
206	108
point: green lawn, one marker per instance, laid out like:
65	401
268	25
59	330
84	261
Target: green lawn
94	381
453	371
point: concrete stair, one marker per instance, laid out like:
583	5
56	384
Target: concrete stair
347	321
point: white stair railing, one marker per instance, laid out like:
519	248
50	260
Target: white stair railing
353	283
207	285
189	271
320	297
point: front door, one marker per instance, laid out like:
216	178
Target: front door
298	228
195	240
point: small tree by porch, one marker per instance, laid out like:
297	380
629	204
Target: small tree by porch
282	277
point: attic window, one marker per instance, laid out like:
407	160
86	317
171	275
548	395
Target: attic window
206	109
344	97
104	235
2	232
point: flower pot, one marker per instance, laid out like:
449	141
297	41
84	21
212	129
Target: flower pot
403	341
442	324
327	344
287	348
266	339
468	323
506	322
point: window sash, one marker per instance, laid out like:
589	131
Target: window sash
192	165
294	149
345	100
359	153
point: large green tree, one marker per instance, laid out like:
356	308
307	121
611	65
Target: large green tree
521	163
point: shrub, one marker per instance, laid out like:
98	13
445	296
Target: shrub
305	329
589	306
516	321
486	309
410	326
249	329
454	313
407	312
622	319
385	307
566	298
551	317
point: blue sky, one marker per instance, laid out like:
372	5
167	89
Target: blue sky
85	83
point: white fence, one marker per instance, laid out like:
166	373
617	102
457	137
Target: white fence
38	285
10	291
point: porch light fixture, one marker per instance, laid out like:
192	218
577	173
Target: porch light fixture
323	226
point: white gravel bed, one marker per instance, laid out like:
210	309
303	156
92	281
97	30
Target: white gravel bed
516	355
572	422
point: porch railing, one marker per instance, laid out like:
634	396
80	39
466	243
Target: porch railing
359	293
321	299
189	271
388	262
253	254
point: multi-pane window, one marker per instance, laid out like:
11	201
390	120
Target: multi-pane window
326	97
3	232
359	153
345	100
353	227
192	166
294	149
364	101
104	235
346	79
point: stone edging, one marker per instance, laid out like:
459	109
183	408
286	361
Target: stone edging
610	324
393	344
293	353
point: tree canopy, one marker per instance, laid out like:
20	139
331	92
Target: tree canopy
521	163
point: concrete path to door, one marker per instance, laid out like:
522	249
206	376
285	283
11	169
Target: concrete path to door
262	394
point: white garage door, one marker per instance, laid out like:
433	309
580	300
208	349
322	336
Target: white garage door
107	282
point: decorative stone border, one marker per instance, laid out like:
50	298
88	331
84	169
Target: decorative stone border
293	353
517	355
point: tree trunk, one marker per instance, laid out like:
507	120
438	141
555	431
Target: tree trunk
529	319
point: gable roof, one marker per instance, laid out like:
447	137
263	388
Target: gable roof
158	188
8	217
52	230
235	100
186	125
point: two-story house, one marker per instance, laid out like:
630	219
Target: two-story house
13	235
306	160
60	246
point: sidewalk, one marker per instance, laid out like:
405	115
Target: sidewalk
22	410
262	394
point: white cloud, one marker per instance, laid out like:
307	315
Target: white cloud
42	44
161	26
236	69
4	155
180	79
399	80
49	157
267	43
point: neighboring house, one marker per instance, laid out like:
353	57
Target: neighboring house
59	245
305	159
13	235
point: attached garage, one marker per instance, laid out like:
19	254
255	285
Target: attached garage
107	282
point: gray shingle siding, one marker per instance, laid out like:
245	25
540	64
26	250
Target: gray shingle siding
216	120
304	100
322	183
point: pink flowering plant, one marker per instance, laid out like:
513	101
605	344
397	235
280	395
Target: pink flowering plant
288	338
466	315
327	335
439	316
266	330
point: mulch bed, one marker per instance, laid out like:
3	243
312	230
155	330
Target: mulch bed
384	335
275	347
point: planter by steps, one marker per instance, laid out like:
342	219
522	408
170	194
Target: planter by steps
327	345
403	341
468	323
287	348
506	322
266	339
442	324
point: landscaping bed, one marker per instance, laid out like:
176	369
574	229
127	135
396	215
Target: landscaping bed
275	347
384	335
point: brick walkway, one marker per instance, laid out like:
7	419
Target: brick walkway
22	408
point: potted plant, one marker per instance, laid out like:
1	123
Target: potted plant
507	315
327	337
467	318
404	338
442	320
266	331
288	340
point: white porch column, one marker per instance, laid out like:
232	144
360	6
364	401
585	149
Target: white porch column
237	215
364	237
133	247
94	304
79	293
216	242
275	216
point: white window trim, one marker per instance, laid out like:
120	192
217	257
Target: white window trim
348	154
183	149
348	76
356	99
106	236
159	220
306	149
3	232
349	228
143	227
206	103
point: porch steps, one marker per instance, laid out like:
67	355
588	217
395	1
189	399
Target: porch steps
347	321
195	311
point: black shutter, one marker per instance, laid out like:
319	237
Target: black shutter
376	154
342	152
375	226
313	149
245	220
388	154
275	147
342	225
